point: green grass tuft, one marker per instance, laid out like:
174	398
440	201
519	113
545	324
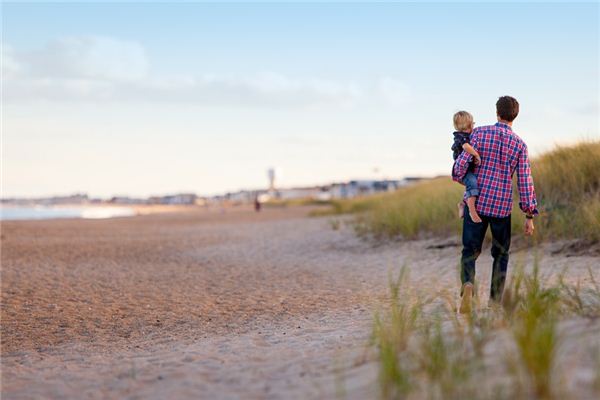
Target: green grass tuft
426	352
533	313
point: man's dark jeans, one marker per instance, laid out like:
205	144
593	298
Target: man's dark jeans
472	238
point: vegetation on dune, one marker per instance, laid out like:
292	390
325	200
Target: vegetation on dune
567	182
502	352
280	203
429	207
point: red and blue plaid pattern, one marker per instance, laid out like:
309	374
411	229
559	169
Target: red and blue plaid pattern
502	152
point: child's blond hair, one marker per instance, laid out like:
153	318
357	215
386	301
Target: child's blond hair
463	121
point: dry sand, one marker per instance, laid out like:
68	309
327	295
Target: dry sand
209	304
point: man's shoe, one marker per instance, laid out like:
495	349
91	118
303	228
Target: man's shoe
467	297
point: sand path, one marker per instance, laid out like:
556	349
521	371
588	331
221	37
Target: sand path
204	305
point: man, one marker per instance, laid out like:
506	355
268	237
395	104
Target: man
502	153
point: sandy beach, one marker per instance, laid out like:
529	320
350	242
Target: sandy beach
214	304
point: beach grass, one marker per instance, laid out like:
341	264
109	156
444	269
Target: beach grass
504	351
567	182
391	334
533	314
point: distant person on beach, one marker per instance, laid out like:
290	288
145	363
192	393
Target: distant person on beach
502	153
256	204
463	123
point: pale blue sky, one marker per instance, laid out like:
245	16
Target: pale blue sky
140	99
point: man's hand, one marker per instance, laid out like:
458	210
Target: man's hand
529	227
477	160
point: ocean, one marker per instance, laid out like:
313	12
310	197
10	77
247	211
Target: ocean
48	212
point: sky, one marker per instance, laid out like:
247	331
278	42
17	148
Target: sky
152	98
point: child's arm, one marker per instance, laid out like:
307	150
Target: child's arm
469	149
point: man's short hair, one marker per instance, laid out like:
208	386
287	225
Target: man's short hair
463	121
507	108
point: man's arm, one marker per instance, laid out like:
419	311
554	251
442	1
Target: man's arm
527	199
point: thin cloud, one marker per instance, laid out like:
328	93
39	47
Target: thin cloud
96	69
395	92
591	108
87	57
10	66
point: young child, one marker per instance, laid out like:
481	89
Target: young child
463	123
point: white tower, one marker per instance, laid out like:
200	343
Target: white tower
271	176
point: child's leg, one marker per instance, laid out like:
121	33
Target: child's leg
470	181
472	211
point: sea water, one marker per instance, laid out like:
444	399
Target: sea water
49	212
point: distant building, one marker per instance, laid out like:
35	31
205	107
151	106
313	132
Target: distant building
175	199
338	190
363	187
79	198
126	200
243	196
298	193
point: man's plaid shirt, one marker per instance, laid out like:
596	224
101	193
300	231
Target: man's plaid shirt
502	152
